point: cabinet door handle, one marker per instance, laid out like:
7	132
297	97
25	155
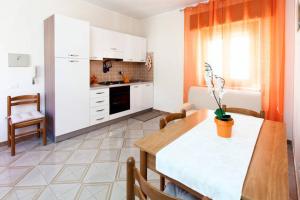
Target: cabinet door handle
99	101
114	49
99	92
100	119
100	110
73	61
73	55
136	86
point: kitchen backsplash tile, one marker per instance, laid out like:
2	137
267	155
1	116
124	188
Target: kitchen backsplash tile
135	71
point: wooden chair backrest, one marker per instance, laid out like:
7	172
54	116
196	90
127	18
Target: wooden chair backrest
244	111
144	188
173	116
23	100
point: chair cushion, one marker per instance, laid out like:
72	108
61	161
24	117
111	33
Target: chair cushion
25	116
177	192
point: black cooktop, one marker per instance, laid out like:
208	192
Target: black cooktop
111	82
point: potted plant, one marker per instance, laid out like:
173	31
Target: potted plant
215	86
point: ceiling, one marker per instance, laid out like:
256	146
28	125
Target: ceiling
142	8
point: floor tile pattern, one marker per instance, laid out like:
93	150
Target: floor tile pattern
89	166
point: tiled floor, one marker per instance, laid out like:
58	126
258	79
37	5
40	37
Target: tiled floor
90	166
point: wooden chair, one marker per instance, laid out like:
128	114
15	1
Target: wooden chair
144	189
244	111
25	119
173	116
162	124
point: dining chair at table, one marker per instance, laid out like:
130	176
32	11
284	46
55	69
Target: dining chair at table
24	119
171	117
145	189
244	111
162	124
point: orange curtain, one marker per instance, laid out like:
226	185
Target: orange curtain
244	41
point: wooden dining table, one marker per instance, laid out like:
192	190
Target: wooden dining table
267	176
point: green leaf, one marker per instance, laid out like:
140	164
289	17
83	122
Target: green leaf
220	113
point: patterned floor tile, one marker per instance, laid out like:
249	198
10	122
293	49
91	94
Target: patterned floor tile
94	192
6	158
107	155
119	126
82	156
116	133
60	192
56	157
112	143
40	175
129	142
71	173
134	134
90	144
127	152
97	134
68	145
24	193
118	191
31	158
12	175
134	124
152	176
48	147
101	172
4	191
89	166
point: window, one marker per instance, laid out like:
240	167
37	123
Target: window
232	51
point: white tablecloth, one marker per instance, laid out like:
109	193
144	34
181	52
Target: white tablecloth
213	166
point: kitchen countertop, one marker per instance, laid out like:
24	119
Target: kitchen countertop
98	86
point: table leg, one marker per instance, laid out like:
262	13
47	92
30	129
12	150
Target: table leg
143	164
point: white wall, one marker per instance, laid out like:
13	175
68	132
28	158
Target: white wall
296	122
165	35
21	23
289	68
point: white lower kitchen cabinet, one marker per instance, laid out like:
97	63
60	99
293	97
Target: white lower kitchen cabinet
135	98
141	97
147	96
99	106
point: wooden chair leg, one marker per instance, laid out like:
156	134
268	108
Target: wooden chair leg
13	143
44	133
38	130
162	183
8	135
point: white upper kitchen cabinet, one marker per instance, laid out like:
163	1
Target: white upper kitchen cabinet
106	44
141	49
71	37
110	44
135	49
129	48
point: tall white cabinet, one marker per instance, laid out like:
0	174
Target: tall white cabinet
66	74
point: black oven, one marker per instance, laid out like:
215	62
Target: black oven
119	99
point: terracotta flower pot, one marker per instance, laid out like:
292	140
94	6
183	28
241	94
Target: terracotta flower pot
224	128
